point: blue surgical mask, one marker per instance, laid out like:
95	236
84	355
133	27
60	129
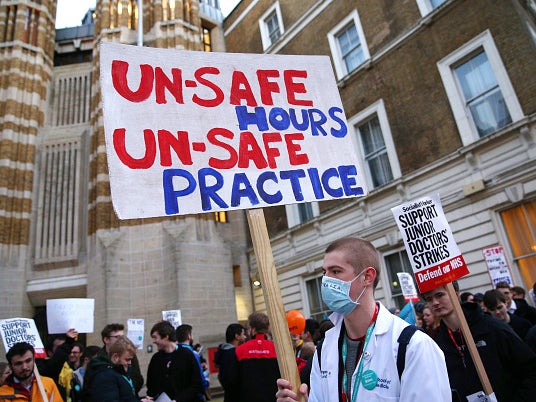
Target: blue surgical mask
336	294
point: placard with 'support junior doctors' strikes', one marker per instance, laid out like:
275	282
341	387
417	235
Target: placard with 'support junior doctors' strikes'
434	255
192	132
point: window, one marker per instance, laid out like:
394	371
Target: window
520	225
301	213
271	25
480	93
394	263
348	46
427	6
376	146
317	309
221	216
206	39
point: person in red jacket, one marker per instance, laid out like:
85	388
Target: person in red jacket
257	369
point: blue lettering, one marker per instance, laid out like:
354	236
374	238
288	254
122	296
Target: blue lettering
348	180
315	182
246	118
328	174
316	125
279	119
343	130
170	194
294	177
304	125
268	198
240	179
209	192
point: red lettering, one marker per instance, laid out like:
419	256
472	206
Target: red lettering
296	87
180	144
249	150
233	157
218	93
144	162
267	87
162	82
294	157
241	90
119	80
271	153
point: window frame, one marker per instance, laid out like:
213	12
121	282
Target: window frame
462	115
378	109
265	34
336	54
388	286
293	213
324	312
426	7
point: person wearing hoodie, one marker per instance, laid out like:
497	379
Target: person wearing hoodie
109	379
225	360
509	363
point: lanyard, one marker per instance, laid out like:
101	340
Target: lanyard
359	374
129	380
459	348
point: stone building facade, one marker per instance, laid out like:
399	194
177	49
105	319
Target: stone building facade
60	237
440	98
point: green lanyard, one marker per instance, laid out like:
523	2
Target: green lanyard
360	366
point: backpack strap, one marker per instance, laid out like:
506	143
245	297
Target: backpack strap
403	341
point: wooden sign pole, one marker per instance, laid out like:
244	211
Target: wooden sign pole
469	341
40	384
272	297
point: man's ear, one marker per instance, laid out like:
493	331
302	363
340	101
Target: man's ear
115	358
370	275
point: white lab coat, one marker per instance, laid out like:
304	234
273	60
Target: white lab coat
424	378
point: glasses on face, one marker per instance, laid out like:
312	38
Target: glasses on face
75	353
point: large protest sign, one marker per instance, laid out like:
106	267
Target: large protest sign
15	330
64	314
434	255
190	132
498	268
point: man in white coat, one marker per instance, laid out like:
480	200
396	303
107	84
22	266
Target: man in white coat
364	343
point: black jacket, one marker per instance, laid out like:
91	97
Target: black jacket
177	374
510	364
109	382
525	311
225	360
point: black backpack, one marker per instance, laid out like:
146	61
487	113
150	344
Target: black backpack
403	340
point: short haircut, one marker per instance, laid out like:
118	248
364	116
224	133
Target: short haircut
492	298
90	352
259	322
519	290
311	326
233	330
164	328
465	295
108	329
183	331
80	346
49	346
122	345
360	254
19	349
502	285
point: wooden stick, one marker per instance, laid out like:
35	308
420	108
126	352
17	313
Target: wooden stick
40	384
272	297
469	341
